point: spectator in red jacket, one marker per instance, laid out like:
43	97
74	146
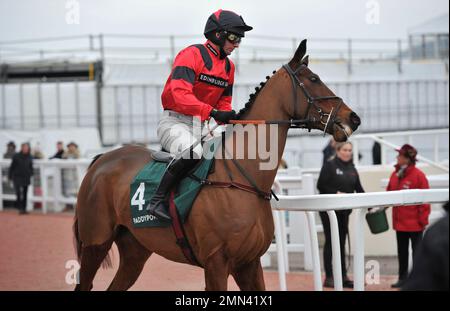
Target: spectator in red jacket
200	86
409	221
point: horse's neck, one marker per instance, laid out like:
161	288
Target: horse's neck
268	106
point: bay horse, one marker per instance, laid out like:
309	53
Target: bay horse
228	229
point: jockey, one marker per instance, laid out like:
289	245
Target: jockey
199	87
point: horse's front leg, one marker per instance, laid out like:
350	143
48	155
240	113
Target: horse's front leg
249	277
217	270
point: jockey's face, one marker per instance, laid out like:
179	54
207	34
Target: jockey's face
229	47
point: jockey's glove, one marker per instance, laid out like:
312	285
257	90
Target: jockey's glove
223	116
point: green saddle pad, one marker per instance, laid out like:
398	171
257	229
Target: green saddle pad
146	182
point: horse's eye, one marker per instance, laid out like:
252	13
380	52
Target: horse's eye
314	79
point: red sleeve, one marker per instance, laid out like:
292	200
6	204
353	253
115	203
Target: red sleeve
227	95
183	77
424	209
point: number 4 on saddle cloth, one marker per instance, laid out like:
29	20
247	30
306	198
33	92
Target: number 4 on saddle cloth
145	183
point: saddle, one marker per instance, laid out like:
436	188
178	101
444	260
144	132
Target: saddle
162	156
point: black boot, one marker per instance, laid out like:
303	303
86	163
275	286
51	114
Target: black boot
346	282
159	204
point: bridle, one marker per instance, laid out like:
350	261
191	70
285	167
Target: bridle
295	122
308	121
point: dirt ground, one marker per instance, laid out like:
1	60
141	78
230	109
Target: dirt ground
35	248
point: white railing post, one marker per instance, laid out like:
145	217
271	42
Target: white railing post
280	251
308	187
336	251
358	256
314	251
284	239
30	197
383	154
44	187
57	188
81	171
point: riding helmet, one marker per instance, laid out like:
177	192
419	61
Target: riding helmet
225	21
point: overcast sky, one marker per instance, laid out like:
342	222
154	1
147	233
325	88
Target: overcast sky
20	19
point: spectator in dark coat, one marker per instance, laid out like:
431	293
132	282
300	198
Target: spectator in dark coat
59	150
338	175
20	173
10	150
409	221
430	269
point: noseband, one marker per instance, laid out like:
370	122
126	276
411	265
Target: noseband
308	121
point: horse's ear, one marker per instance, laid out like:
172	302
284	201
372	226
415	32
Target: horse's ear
305	60
301	51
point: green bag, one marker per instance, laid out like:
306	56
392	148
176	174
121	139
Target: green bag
377	221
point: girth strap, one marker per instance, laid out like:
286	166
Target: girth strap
180	234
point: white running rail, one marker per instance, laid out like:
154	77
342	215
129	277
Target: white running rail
330	203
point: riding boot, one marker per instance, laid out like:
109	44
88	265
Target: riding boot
158	205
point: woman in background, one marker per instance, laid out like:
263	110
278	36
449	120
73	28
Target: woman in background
409	221
338	175
20	173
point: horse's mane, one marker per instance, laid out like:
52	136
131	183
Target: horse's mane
95	159
252	98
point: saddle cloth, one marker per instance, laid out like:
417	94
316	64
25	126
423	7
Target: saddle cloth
145	183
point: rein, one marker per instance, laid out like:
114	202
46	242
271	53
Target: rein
306	123
253	188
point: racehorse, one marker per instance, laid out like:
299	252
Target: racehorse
229	229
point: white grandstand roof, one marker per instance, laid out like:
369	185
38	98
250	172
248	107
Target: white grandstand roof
437	25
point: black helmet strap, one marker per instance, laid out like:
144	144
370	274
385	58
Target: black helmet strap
220	41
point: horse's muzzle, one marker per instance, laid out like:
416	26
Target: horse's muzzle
355	121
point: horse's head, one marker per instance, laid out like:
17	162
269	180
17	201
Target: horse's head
316	103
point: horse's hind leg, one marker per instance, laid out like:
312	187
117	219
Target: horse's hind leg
91	259
132	259
249	277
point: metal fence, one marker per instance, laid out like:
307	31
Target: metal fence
129	113
163	48
30	106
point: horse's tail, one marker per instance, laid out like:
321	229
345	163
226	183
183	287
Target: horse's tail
107	262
